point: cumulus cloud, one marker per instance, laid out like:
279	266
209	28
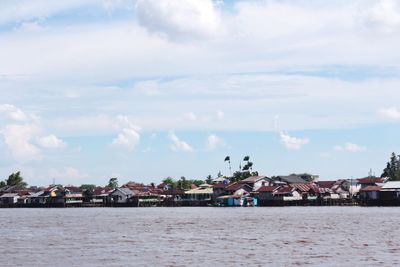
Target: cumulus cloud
24	135
391	113
18	140
292	143
129	135
178	144
127	138
51	141
384	14
13	112
179	19
350	147
213	142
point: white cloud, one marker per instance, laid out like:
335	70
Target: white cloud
129	135
128	138
391	113
51	141
179	18
177	144
350	147
213	142
18	140
190	116
292	143
384	14
13	112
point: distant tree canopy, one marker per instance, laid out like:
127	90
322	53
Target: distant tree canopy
392	169
238	176
113	182
88	187
16	179
182	183
305	176
2	184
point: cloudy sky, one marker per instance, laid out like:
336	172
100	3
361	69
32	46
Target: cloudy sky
145	89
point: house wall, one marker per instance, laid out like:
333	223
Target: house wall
119	197
265	196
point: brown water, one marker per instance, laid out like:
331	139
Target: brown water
285	236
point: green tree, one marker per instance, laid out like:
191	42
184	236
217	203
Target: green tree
209	179
169	180
113	182
16	179
90	187
238	176
2	184
196	182
392	169
183	183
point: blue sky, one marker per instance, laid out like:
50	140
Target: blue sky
145	89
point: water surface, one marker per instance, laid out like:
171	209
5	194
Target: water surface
263	236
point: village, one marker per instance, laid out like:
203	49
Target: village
256	190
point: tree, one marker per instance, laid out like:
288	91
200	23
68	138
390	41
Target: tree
209	179
392	169
90	187
228	159
169	180
183	183
196	182
16	179
238	176
2	184
113	182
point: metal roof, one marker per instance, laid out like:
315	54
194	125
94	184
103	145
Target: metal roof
391	185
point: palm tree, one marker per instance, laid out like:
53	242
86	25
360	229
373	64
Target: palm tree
228	159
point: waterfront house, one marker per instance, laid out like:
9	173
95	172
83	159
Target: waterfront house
98	196
238	189
172	196
287	193
37	198
121	195
370	181
72	195
201	194
266	193
370	192
9	199
255	182
219	189
308	191
390	191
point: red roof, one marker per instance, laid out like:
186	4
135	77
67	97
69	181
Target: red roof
325	184
306	187
284	190
371	188
267	189
370	180
235	186
220	185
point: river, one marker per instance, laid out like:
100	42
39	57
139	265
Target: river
262	236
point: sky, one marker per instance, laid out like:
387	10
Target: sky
146	89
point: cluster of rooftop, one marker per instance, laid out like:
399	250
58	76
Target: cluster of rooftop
252	191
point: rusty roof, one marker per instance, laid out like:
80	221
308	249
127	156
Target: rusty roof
267	189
